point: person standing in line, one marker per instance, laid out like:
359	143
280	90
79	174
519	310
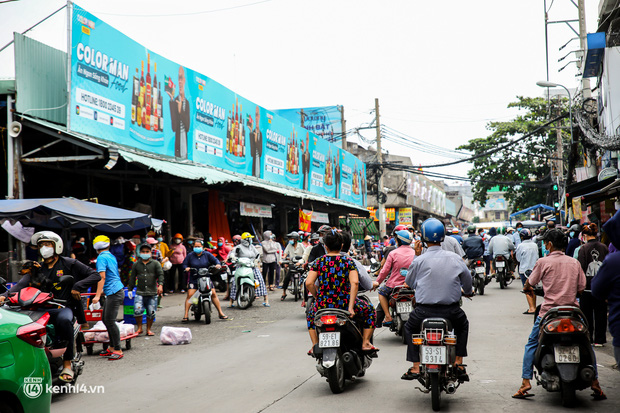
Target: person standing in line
147	276
574	243
591	257
111	285
606	284
177	255
269	259
278	260
526	255
292	250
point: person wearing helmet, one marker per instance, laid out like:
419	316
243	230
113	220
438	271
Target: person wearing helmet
502	245
526	255
319	249
456	234
246	250
236	239
573	232
272	251
177	255
305	240
439	278
50	247
394	271
111	285
473	245
293	249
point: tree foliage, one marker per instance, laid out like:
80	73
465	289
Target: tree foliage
523	163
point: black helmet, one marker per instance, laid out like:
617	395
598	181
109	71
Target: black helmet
324	228
315	236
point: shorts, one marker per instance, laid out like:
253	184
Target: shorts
193	283
523	279
141	302
385	291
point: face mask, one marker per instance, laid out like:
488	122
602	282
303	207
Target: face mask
145	256
245	242
46	252
417	238
219	244
292	242
198	250
190	242
177	241
160	239
82	242
572	234
210	239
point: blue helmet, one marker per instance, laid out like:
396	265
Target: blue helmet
433	230
404	237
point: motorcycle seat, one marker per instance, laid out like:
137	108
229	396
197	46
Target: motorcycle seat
437	323
337	311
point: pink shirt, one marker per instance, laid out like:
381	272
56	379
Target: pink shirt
178	253
561	276
398	258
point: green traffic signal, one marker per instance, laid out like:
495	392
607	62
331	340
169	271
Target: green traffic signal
557	204
555	187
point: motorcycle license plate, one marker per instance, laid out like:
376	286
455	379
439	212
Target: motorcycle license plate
433	355
327	340
567	354
480	270
404	307
500	264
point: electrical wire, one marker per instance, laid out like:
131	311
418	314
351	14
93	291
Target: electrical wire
185	14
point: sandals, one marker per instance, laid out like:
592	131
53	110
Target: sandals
598	393
522	393
266	305
223	317
283	297
387	323
116	356
409	375
105	353
185	320
150	334
370	350
527	312
461	373
66	372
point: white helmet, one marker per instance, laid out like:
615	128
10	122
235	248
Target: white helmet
48	236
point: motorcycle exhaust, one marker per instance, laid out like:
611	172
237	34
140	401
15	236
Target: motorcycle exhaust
548	362
587	374
450	388
352	364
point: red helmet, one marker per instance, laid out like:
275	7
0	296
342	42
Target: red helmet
399	228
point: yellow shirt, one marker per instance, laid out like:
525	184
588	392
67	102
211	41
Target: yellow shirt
164	249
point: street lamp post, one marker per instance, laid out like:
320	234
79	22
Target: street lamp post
543	83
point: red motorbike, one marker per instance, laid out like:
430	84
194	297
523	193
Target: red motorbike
401	304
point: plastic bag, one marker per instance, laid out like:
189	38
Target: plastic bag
175	335
167	266
94	307
194	298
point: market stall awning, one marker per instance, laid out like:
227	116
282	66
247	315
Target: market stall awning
358	224
609	191
61	213
532	208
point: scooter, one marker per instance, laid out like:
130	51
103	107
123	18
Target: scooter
245	283
296	284
564	358
438	372
400	305
33	302
220	278
478	274
201	300
339	350
501	272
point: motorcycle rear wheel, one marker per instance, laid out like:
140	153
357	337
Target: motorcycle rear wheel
568	394
206	308
500	277
196	310
296	294
481	287
335	375
435	392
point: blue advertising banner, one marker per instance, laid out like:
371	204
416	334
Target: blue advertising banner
323	121
124	93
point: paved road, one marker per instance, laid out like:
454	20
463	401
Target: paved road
266	370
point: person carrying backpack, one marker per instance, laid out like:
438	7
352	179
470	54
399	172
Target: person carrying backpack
591	256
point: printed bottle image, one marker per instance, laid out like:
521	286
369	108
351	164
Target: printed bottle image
169	85
141	97
147	124
228	125
160	114
154	105
134	97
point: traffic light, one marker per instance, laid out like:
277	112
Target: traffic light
555	187
557	204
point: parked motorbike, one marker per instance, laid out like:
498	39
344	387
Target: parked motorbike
339	351
438	372
564	358
478	274
245	283
33	302
201	300
220	277
295	271
501	271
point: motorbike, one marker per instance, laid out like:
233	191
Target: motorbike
400	305
339	350
478	274
201	300
220	278
33	302
297	282
245	282
501	272
438	372
564	358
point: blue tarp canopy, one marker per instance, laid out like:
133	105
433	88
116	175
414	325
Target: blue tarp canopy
65	213
532	208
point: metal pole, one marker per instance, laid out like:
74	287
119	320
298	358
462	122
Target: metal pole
343	124
381	206
10	151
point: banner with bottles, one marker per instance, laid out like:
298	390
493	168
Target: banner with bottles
124	93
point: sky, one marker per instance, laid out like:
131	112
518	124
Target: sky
441	70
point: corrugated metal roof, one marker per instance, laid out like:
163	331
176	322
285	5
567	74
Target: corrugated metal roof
41	80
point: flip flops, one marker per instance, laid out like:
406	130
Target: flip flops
223	317
522	394
409	375
116	356
185	320
105	353
387	323
527	312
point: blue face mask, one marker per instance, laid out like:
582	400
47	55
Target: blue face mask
292	242
210	239
219	244
160	239
198	250
572	234
190	242
145	256
82	242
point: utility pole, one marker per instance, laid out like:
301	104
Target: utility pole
381	206
585	82
343	125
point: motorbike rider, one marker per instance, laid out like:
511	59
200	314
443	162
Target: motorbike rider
502	245
246	250
456	234
199	258
563	280
400	258
54	265
473	245
526	255
439	278
319	249
292	250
